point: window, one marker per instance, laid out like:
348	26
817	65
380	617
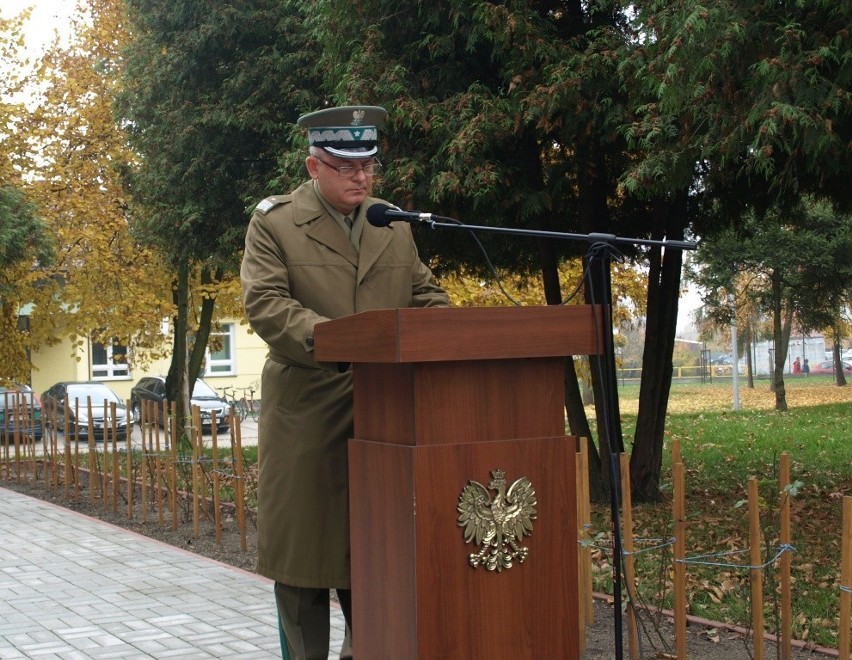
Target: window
220	352
109	361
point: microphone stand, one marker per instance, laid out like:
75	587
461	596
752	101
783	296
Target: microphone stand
441	222
600	252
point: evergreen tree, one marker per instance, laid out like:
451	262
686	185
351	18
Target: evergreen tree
208	91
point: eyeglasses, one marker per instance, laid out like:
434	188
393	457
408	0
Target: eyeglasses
350	171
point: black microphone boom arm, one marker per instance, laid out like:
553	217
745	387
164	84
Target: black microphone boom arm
381	215
594	237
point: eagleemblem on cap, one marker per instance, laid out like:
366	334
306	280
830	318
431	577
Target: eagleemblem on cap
345	132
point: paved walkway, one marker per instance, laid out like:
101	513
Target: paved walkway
75	587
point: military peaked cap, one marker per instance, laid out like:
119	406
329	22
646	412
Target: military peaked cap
350	131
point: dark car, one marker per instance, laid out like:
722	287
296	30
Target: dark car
827	367
20	412
77	396
153	388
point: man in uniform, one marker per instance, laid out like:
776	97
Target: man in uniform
310	256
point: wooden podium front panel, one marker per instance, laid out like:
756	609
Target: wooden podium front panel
459	402
382	544
415	594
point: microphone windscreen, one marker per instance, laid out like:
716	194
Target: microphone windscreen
377	215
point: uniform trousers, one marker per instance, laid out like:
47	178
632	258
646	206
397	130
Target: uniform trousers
304	615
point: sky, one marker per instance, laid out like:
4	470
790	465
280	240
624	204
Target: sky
688	303
47	17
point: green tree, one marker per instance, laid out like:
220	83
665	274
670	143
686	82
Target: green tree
827	278
207	89
795	264
716	316
24	239
752	98
502	114
742	104
26	246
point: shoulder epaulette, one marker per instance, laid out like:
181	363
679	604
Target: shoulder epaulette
270	203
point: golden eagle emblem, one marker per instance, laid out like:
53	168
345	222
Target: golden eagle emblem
497	524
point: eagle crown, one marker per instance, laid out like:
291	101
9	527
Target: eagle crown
498	479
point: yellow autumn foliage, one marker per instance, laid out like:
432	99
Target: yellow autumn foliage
468	290
67	151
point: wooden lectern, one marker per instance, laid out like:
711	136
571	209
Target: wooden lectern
443	397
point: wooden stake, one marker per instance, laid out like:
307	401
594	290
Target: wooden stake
586	608
202	480
217	522
92	452
167	458
54	444
4	448
116	476
784	538
239	493
158	467
143	466
629	561
679	555
196	480
845	580
76	452
756	571
677	457
109	428
67	444
130	477
174	447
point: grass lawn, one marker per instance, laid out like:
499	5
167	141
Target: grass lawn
721	449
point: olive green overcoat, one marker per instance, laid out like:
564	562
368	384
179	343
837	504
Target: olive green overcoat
300	269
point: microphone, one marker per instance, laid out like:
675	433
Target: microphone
381	215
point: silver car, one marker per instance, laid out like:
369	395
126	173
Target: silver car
75	398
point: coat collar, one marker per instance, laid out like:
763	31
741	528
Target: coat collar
309	213
321	227
374	240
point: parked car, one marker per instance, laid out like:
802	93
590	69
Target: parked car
77	396
20	411
827	367
153	388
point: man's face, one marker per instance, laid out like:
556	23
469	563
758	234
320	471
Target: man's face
344	191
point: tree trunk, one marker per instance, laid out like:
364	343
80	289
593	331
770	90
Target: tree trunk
604	380
839	376
748	341
663	292
594	216
176	378
781	328
593	188
578	422
205	324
